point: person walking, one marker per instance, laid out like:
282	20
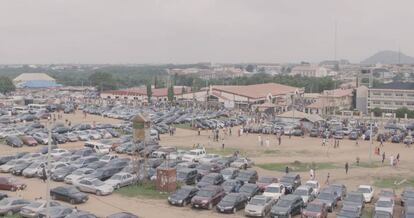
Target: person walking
222	146
381	142
356	142
287	170
267	142
346	168
324	142
199	131
259	139
383	157
357	161
397	159
327	179
44	175
311	174
280	139
230	131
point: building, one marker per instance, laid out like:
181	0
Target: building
331	101
35	80
246	96
140	93
309	71
391	96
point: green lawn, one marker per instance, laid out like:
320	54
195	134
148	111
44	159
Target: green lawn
367	212
374	164
296	166
269	151
225	151
144	190
393	182
13	216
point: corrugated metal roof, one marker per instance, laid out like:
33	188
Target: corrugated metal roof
33	76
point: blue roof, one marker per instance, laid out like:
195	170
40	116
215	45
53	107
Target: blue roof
38	84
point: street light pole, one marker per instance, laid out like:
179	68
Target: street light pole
48	171
370	138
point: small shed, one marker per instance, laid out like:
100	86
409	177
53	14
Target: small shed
141	125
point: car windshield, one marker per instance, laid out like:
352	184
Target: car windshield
35	204
55	211
193	153
73	190
409	194
204	167
4	202
230	198
314	207
117	177
364	190
301	192
208	179
284	203
386	193
182	192
257	201
384	204
97	182
78	172
205	193
347	213
227	172
311	184
230	183
353	198
325	196
287	179
273	189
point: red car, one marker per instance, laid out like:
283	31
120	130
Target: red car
28	140
315	209
9	183
208	197
265	181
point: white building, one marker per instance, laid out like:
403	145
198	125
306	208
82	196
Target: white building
309	71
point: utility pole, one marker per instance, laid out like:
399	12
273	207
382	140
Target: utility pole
49	147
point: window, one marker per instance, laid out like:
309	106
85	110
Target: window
410	103
398	103
398	94
376	102
410	95
387	103
376	93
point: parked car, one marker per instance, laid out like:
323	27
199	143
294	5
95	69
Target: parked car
242	163
305	192
232	185
383	214
367	191
187	176
348	211
12	205
232	202
14	141
385	204
354	199
10	183
208	197
248	176
407	195
265	181
210	179
28	140
287	206
57	212
315	186
60	173
315	209
230	173
275	191
95	186
182	196
69	194
329	197
34	208
249	190
407	212
259	206
121	180
291	181
122	215
340	190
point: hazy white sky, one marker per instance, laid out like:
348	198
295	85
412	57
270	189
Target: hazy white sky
183	31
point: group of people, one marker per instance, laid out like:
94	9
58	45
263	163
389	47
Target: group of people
335	142
267	141
171	130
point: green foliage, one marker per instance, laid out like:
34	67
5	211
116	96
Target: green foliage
170	94
149	93
250	68
145	190
296	166
393	182
377	112
6	85
400	113
103	81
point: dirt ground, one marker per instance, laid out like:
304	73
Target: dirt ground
305	150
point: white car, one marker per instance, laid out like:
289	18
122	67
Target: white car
274	190
32	210
59	153
385	204
108	158
305	192
121	179
315	186
95	186
209	158
367	191
194	155
78	174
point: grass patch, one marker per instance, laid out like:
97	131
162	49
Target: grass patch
183	126
296	166
393	182
13	216
143	190
367	164
225	151
269	151
367	212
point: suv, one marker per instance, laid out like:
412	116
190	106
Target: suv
194	155
207	197
355	199
291	181
187	176
210	179
287	206
248	176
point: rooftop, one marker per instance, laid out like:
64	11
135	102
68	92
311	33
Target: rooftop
258	90
396	85
33	76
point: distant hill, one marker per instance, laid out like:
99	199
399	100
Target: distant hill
388	57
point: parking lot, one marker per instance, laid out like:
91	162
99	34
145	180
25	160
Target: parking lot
306	150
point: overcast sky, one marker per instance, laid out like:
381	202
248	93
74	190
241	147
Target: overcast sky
186	31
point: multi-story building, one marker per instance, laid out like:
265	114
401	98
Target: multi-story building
391	96
309	71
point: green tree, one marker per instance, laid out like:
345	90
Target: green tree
400	112
250	68
149	92
170	94
377	111
103	81
6	85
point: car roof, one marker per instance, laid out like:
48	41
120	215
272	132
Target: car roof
260	197
364	186
289	197
275	185
384	199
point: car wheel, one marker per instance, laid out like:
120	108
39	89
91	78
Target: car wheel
210	206
234	210
72	201
117	186
99	193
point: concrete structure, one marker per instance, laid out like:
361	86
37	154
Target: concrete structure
309	71
245	96
389	97
140	94
362	99
34	80
331	101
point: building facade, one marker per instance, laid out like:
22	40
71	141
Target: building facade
392	96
